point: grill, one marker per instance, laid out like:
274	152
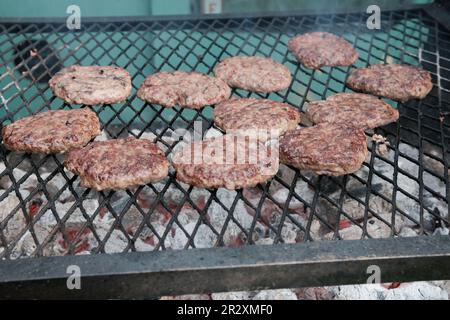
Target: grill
296	230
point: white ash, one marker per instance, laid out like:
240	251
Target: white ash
116	243
187	297
376	228
417	291
279	294
232	295
218	215
442	231
302	190
76	216
53	186
15	224
290	233
205	237
408	232
44	163
30	182
319	231
314	293
26	246
177	239
406	291
275	294
212	133
359	292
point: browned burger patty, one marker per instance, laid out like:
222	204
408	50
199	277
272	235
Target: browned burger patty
356	109
118	164
256	114
318	49
229	161
328	149
91	85
185	89
52	131
395	81
254	74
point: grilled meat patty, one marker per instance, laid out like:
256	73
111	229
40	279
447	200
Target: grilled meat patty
229	161
253	74
52	131
185	89
394	81
326	149
356	109
256	115
91	85
318	49
118	163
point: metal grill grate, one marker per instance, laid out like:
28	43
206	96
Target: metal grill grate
402	193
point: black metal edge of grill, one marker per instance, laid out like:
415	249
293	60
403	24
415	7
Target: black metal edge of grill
152	274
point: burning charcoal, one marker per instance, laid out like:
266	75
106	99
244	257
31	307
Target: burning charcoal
319	231
278	294
13	224
102	137
178	239
6	183
131	220
76	219
205	237
25	246
412	210
144	135
19	160
302	189
290	233
359	292
408	232
142	246
375	228
212	133
351	232
233	295
442	231
56	184
264	241
416	291
314	293
188	297
217	215
432	164
75	238
116	242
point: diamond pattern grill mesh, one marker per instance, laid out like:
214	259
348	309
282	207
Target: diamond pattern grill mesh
405	192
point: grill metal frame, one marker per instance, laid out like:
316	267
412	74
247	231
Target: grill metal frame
312	263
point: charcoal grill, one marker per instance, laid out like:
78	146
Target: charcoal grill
417	194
